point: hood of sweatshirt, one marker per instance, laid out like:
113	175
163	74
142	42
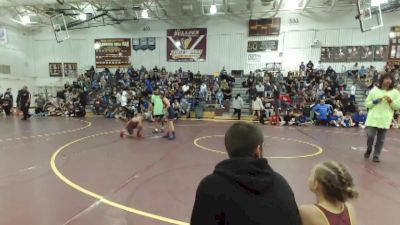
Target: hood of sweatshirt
251	174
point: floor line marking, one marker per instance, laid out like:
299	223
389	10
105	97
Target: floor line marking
97	196
320	149
88	124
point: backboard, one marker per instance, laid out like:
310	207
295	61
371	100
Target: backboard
60	28
369	15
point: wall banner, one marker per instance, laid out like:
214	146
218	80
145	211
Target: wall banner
263	57
187	45
144	43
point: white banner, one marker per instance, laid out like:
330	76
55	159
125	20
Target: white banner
3	35
263	57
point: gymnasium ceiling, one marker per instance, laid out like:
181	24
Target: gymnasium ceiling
106	12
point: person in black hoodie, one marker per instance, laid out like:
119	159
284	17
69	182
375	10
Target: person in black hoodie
244	189
24	101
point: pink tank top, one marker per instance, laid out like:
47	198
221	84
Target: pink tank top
342	218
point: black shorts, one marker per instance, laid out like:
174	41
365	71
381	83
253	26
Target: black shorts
171	113
159	117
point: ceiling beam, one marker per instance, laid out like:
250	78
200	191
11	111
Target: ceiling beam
332	5
306	3
277	7
226	6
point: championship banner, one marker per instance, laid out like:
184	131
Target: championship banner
55	70
187	45
144	43
113	52
3	35
70	69
262	46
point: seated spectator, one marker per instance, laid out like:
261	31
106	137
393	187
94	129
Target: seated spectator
260	89
219	97
276	118
335	119
333	185
269	108
322	111
359	119
268	90
111	108
203	91
347	121
289	118
40	103
98	105
244	189
363	73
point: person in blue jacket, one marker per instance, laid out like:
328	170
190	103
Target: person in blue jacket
322	112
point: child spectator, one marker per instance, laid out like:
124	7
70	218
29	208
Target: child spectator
359	119
333	186
334	119
289	118
347	121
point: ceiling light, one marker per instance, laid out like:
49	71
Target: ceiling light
293	4
213	9
25	19
378	2
145	14
82	16
392	34
97	45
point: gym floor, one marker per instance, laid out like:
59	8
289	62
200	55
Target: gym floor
68	171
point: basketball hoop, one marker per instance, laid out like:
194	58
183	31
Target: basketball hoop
369	15
60	28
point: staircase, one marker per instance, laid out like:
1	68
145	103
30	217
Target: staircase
360	93
237	89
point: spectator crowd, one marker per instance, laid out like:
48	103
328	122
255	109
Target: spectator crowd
313	94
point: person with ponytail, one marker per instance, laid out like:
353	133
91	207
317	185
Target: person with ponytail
333	187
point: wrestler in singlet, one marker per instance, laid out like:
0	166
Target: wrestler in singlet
132	125
342	218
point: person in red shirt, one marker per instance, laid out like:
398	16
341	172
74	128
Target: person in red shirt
333	186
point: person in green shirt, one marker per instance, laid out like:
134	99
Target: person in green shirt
381	102
158	111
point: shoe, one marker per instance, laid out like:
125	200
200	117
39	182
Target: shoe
121	134
155	131
367	154
166	136
139	136
376	159
171	138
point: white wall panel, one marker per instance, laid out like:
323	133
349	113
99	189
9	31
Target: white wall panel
226	43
